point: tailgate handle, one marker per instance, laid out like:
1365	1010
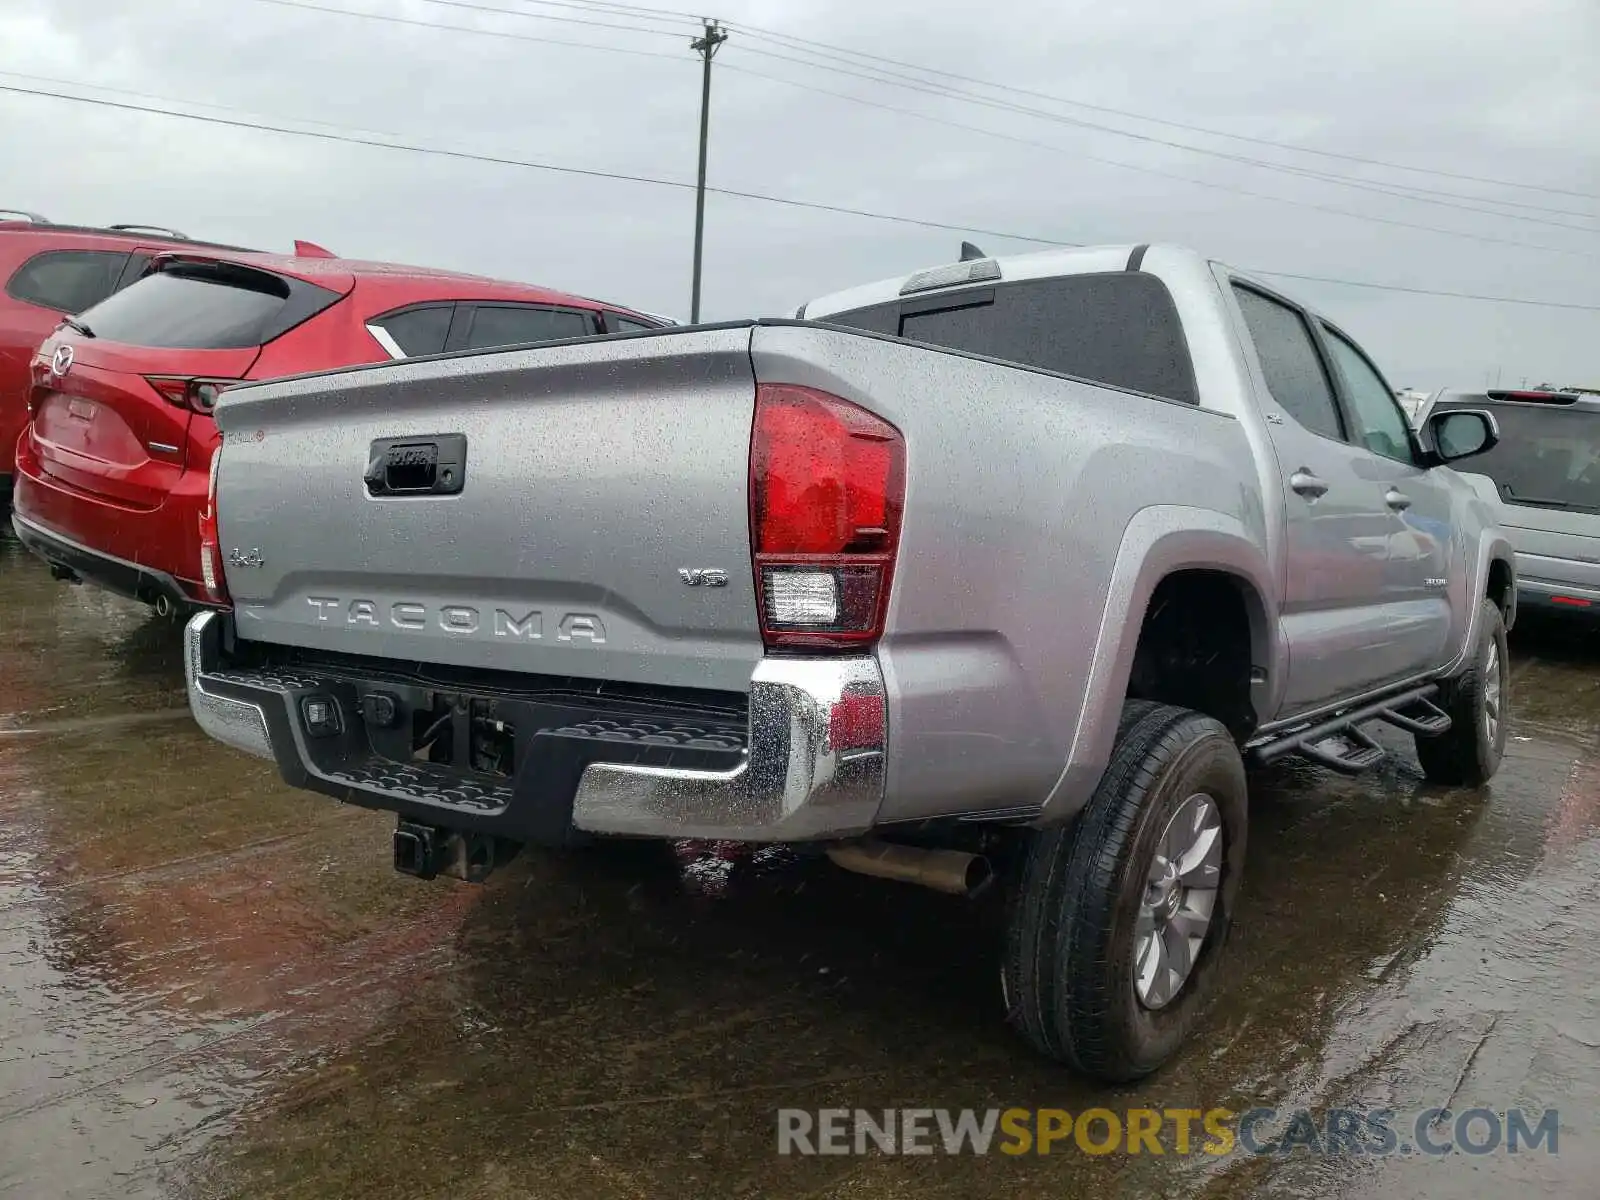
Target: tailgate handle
431	465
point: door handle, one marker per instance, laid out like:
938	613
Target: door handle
1307	484
431	465
1397	500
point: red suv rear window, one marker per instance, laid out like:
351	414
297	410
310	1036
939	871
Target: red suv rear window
206	306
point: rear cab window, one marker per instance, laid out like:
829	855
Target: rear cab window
1118	328
68	281
206	306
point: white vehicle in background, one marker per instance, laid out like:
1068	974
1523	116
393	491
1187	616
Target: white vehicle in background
1543	480
1411	401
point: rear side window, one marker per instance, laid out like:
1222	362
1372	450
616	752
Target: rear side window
626	325
206	306
512	325
1289	360
68	281
1120	328
418	330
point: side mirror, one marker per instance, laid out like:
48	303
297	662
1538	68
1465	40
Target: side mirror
1459	433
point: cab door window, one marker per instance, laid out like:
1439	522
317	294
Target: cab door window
1381	424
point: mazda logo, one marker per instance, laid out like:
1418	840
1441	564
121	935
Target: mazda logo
62	362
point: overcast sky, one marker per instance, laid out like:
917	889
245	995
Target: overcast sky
1472	87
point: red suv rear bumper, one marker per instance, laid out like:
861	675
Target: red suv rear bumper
145	554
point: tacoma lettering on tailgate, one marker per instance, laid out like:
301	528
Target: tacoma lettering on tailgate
456	618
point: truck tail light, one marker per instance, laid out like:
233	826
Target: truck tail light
183	391
211	538
827	483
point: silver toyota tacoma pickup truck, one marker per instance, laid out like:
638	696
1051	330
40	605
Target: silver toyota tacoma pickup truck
1004	571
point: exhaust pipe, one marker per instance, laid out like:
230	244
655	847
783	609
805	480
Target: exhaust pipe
954	872
164	605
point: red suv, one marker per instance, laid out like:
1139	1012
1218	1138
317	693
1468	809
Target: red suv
112	471
50	271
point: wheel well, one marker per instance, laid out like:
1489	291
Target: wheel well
1499	587
1197	647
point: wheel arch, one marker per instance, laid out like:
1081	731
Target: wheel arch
1493	574
1164	543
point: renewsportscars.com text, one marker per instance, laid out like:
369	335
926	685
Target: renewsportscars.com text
1177	1131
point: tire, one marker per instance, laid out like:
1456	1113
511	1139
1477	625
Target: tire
1478	702
1073	930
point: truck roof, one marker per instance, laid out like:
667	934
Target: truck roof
978	268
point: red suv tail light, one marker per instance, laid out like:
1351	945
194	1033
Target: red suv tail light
211	539
827	482
184	391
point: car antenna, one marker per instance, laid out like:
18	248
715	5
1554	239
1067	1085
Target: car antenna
970	252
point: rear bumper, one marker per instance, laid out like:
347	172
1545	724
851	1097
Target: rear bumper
141	553
805	762
1551	596
105	570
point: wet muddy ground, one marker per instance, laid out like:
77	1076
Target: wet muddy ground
213	986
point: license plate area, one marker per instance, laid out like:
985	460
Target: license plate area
539	740
465	732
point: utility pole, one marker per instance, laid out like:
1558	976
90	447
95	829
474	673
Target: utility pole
707	45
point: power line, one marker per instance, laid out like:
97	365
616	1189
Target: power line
1395	287
809	46
493	33
1540	208
1006	106
1118	163
1406	191
779	38
120	91
942	91
626	10
632	11
1157	171
497	160
757	196
508	12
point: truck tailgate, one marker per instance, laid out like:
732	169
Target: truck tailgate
604	485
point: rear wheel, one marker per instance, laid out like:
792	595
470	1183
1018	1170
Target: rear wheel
1478	703
1117	920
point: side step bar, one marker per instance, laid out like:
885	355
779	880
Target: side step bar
1341	745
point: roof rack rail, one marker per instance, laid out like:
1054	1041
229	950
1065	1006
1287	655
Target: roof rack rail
160	230
15	214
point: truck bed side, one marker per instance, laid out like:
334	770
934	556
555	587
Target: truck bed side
1023	491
